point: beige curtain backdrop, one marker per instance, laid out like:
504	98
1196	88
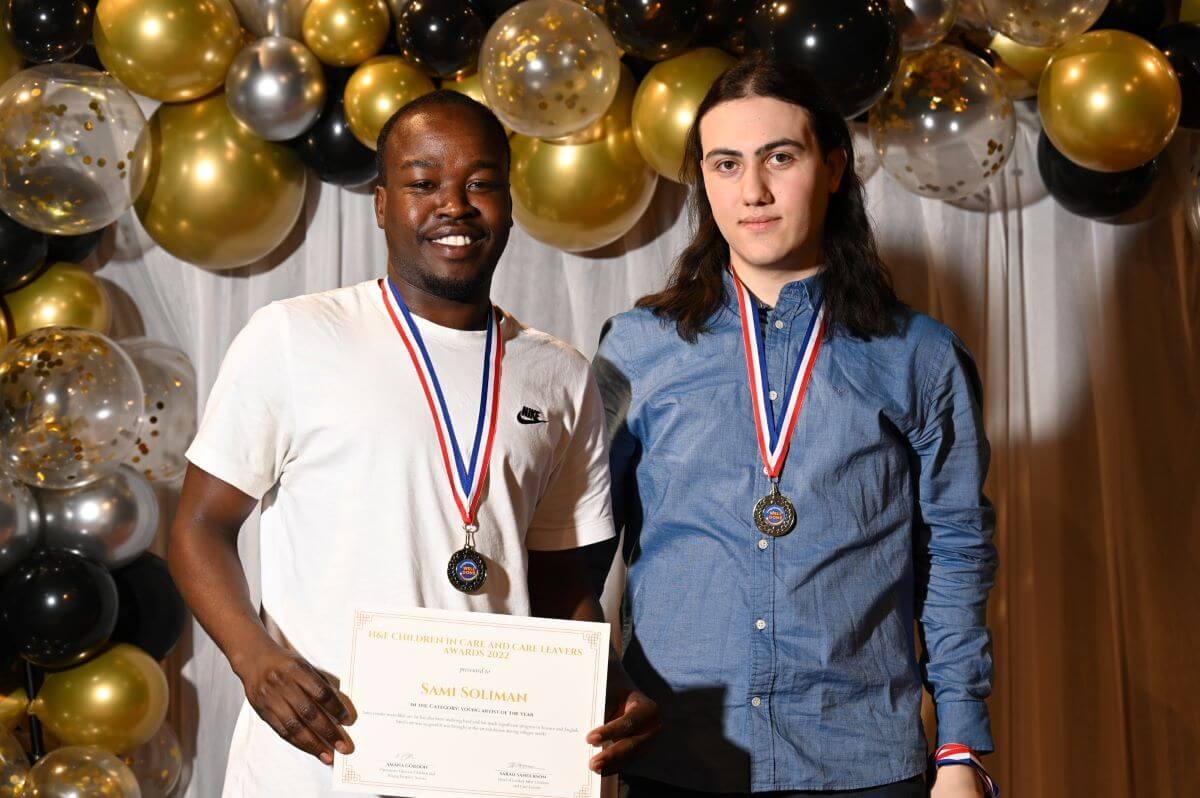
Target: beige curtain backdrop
1087	336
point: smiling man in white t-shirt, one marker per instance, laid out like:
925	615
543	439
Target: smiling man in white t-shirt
389	470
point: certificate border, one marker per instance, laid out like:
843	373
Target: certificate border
364	617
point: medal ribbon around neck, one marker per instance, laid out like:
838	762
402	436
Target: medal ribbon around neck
466	478
775	435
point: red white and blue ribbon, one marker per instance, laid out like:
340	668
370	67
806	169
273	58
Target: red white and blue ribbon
956	754
467	475
775	434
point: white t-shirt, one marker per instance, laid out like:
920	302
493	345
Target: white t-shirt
318	411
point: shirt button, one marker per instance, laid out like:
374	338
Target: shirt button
762	544
760	624
756	701
778	324
774	396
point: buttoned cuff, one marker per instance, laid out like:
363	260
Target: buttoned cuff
966	723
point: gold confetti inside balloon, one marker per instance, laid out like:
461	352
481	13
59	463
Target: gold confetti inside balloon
585	191
923	23
946	125
157	764
666	102
1110	101
170	410
165	49
378	89
14	765
1042	23
64	295
81	772
116	701
345	32
70	407
549	68
72	149
217	195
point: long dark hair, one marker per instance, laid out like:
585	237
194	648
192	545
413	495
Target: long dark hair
858	293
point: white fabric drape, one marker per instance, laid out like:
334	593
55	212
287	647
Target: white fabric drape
1086	336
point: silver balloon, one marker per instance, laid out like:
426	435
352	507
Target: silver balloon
20	523
112	521
276	88
272	17
170	382
923	23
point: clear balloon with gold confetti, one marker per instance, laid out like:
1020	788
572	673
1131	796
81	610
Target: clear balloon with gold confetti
169	380
72	150
79	772
14	766
157	764
70	407
946	127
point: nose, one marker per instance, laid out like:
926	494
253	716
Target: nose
454	203
755	190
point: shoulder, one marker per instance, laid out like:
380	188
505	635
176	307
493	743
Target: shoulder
542	355
335	304
630	339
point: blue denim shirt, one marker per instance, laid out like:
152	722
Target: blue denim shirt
790	663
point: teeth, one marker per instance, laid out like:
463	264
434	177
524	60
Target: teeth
453	241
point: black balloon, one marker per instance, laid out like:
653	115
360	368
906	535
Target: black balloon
329	147
852	46
59	608
441	36
723	24
494	8
49	30
1140	17
653	31
1096	195
1181	44
22	254
152	613
73	249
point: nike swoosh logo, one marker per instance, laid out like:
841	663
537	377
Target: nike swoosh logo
530	416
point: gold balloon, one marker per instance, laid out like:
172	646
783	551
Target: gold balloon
14	766
345	32
10	60
217	195
78	772
5	334
378	89
1189	11
165	49
13	706
472	86
587	190
1018	66
64	295
666	103
116	701
1109	101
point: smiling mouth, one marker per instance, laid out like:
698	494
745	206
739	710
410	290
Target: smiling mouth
455	245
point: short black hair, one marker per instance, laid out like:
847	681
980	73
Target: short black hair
444	98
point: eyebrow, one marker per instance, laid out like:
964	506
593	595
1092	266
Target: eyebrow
770	145
421	163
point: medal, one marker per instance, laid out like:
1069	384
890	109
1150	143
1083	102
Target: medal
774	514
467	568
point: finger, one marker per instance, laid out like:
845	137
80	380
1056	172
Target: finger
321	691
617	755
293	730
316	720
638	718
317	703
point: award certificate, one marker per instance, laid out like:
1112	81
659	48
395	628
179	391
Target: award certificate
473	704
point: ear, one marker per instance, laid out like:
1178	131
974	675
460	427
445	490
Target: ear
836	163
380	205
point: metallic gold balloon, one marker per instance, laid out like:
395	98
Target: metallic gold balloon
14	766
345	32
1019	66
666	103
472	86
79	772
165	49
585	191
116	701
5	333
1042	23
14	704
1109	101
378	89
217	196
549	68
65	295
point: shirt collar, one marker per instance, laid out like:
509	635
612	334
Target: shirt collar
795	297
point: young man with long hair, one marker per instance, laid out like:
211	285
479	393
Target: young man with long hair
797	463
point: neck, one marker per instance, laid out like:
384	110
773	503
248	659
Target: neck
765	282
471	314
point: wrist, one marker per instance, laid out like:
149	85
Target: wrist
243	653
956	755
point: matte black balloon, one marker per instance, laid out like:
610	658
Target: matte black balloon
152	613
329	147
654	31
1181	44
1096	195
49	30
852	46
73	249
22	254
441	36
59	608
1140	17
